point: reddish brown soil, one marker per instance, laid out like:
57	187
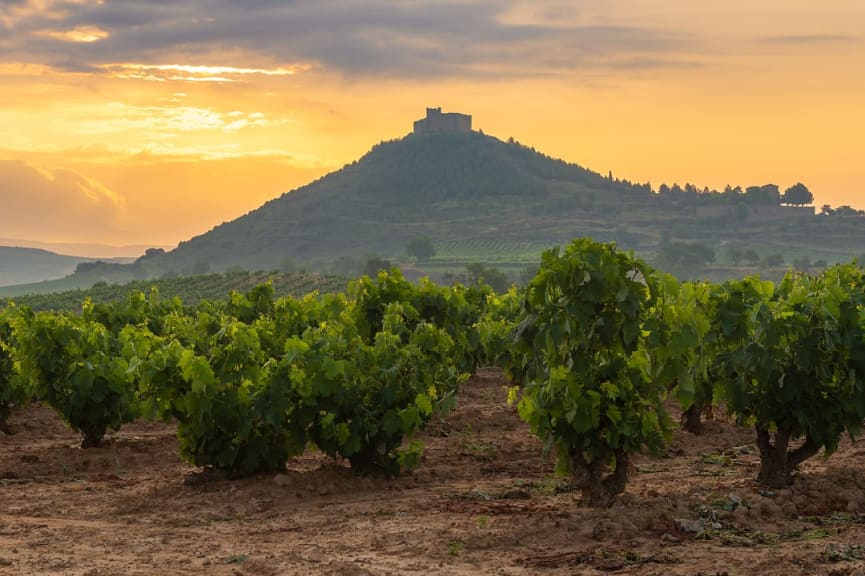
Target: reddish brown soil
485	501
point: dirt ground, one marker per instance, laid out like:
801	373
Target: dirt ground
485	501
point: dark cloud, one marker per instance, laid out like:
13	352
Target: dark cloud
352	38
73	66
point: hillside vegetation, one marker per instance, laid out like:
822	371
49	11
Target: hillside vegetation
454	187
190	289
480	199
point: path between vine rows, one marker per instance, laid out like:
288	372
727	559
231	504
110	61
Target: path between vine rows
485	501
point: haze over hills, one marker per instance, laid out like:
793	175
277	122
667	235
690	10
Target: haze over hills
481	199
26	265
88	251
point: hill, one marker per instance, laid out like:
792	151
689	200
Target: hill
26	265
86	250
462	190
480	199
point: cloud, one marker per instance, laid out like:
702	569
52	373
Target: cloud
58	204
809	39
164	72
168	121
225	40
164	199
84	34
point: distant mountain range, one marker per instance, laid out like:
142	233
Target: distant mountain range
480	199
82	249
26	265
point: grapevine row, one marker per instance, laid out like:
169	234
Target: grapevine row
596	344
252	380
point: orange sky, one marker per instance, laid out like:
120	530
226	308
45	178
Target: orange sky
128	122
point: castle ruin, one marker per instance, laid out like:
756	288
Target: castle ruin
436	121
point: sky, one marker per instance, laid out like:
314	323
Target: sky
131	122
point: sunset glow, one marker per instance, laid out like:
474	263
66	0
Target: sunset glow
81	34
147	123
168	72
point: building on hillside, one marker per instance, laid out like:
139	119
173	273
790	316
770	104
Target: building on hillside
436	121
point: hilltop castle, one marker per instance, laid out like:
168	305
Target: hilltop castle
435	121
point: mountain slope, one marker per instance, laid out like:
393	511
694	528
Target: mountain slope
446	186
480	199
25	265
31	265
84	250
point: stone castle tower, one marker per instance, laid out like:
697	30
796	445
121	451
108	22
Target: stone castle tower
436	121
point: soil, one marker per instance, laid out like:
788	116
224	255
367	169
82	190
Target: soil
485	501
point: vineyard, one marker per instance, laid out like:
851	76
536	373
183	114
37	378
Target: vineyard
190	289
349	393
493	250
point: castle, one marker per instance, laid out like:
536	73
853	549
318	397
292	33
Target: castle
435	121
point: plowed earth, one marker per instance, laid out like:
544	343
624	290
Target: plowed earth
485	501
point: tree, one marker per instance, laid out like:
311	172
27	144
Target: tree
774	261
735	254
495	278
421	248
691	190
797	195
683	258
767	194
373	264
803	264
346	266
846	210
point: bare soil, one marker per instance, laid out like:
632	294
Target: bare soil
485	501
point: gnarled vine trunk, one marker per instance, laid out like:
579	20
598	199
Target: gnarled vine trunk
599	485
91	441
4	416
691	419
776	461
